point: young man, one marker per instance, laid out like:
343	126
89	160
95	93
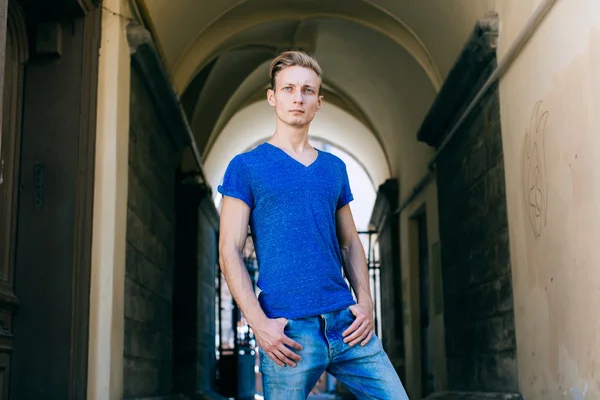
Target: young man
295	198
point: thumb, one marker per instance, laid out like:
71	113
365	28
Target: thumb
353	310
282	322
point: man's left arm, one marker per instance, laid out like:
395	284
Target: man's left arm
353	254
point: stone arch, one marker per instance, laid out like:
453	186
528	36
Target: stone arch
210	42
214	96
212	110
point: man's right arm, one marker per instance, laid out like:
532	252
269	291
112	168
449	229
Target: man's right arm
269	334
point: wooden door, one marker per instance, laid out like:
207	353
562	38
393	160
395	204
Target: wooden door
12	33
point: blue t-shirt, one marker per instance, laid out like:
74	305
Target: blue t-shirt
293	227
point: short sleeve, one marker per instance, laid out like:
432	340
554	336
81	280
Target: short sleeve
237	181
346	193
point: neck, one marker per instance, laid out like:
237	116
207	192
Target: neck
291	137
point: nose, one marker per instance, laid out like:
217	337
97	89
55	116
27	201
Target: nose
298	96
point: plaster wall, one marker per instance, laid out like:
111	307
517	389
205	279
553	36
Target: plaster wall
549	102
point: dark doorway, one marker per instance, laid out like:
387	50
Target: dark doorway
48	139
427	382
10	141
185	287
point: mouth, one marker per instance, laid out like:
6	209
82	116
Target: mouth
297	111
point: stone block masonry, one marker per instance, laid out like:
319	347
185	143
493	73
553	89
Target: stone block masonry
473	226
148	360
479	316
171	264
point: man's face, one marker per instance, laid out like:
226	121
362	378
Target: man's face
295	97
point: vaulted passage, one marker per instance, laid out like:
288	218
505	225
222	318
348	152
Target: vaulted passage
436	238
468	130
421	128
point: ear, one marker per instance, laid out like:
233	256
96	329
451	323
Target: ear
271	97
319	103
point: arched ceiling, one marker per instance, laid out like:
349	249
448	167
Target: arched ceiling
383	61
438	27
227	74
211	41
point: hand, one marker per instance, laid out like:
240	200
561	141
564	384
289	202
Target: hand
270	337
361	329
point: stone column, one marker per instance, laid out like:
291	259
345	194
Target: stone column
105	362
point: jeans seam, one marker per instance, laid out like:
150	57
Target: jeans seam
353	379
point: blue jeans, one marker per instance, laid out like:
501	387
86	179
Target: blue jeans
365	370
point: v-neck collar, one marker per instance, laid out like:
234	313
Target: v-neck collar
292	158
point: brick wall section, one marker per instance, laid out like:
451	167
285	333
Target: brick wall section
478	304
150	251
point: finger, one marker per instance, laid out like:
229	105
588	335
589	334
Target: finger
357	322
357	333
289	354
276	359
369	336
291	343
363	336
283	358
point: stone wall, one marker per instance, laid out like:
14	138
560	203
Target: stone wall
477	281
479	315
172	226
150	251
171	265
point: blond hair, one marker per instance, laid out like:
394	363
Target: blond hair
290	59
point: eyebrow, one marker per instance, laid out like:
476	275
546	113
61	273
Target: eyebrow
305	85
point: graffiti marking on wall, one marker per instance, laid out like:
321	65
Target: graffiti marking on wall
534	170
